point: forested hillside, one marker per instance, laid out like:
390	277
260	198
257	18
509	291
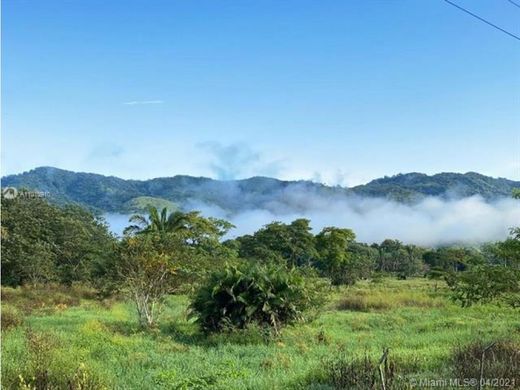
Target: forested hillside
112	194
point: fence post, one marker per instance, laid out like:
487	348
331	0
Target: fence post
481	368
381	370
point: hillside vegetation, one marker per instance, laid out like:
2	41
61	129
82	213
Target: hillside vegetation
112	194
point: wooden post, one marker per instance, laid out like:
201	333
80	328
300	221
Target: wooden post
381	370
481	368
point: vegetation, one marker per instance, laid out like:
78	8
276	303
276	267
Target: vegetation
147	270
494	280
111	194
293	243
491	281
43	243
281	308
334	259
415	319
265	295
414	186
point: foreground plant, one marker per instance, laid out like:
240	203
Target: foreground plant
266	295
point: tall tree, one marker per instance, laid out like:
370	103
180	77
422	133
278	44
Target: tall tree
292	243
42	242
334	259
160	222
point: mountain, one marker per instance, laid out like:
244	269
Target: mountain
414	186
112	194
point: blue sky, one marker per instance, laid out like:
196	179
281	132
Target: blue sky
338	91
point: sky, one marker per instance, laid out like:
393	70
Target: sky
337	91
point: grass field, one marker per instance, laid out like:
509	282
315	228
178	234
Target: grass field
101	345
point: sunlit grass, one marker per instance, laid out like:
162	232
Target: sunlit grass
414	318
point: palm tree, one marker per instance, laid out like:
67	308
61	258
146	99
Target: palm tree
158	222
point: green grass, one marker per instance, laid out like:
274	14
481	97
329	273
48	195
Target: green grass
413	318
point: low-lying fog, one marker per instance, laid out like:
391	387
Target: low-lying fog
430	222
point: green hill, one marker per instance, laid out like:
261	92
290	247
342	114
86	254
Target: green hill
112	194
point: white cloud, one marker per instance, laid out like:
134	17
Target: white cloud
433	221
142	102
238	161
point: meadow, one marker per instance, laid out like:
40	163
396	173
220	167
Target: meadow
69	339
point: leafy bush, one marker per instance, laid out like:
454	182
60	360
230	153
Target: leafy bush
268	295
485	283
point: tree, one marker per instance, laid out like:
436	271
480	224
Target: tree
334	259
42	242
498	279
509	250
83	243
291	243
147	267
363	259
486	283
157	222
411	264
397	258
193	233
195	228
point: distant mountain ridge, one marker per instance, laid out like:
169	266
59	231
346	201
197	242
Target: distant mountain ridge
113	194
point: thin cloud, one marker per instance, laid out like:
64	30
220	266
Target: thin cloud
237	161
142	102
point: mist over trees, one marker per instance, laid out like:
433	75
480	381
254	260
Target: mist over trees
177	278
162	253
414	208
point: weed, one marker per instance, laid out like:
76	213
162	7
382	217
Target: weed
500	359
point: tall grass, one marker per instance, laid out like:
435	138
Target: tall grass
412	318
376	296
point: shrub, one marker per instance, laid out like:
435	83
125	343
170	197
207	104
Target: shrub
267	295
40	348
486	283
44	370
11	317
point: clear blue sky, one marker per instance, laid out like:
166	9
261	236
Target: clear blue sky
340	91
